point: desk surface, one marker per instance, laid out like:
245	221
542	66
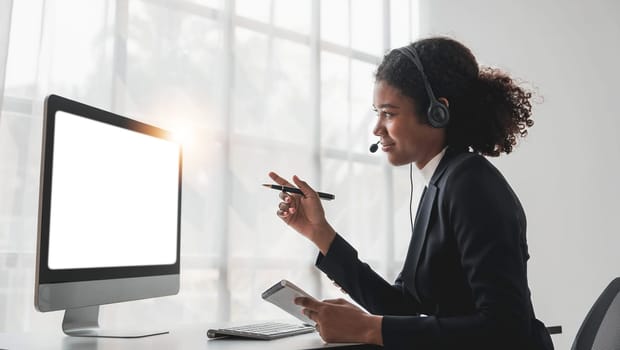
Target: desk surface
186	338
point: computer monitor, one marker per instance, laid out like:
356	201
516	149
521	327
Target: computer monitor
109	214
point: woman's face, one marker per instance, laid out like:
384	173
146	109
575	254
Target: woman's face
404	137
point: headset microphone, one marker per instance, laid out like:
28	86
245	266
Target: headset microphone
374	147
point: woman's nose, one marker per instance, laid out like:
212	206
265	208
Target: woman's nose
378	129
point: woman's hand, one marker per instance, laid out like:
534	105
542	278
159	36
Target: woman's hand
304	213
339	321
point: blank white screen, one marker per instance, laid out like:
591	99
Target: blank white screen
114	196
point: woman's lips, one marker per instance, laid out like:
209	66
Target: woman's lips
387	147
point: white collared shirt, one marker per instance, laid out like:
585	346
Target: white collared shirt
422	177
430	167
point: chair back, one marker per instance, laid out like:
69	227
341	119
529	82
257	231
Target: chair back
600	329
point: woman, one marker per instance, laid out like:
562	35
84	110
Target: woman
464	281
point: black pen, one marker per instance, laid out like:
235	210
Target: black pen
322	195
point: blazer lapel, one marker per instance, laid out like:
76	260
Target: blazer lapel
448	158
422	219
418	238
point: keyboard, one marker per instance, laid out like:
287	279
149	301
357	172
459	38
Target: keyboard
264	330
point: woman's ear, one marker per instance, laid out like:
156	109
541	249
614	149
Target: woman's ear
444	101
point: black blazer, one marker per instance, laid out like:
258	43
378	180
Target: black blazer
465	268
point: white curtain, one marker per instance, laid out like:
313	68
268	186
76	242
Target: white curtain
254	86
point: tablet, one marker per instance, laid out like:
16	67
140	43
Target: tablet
283	294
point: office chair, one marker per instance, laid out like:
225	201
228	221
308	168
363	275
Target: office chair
601	327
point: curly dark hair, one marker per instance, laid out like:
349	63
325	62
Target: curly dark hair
488	110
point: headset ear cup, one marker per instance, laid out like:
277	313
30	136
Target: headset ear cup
438	115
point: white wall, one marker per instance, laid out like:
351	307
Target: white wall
567	172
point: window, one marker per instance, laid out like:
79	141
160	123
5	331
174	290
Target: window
255	86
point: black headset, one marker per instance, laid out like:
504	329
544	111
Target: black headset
438	113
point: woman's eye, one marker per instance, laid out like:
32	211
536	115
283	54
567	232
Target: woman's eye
384	114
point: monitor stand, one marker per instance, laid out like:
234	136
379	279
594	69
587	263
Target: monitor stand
84	322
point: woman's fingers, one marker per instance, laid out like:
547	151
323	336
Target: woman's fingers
303	186
285	197
288	207
310	314
285	213
308	303
279	180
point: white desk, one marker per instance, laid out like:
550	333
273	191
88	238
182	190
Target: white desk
185	338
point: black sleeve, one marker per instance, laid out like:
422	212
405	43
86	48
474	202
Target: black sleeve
364	285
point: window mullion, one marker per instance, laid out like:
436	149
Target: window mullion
119	64
224	295
315	97
389	181
5	18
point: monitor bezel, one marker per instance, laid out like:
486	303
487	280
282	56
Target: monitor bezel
45	275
